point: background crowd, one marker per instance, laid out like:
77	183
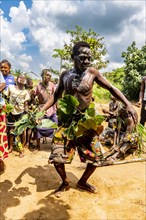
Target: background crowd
20	92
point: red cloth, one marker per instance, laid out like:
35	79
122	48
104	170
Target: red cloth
3	135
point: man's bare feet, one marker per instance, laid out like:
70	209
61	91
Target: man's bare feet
87	187
62	188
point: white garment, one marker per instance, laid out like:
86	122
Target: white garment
17	98
2	101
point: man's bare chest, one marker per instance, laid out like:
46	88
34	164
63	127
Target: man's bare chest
79	83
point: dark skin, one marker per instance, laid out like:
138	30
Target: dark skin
142	89
83	92
141	96
5	69
2	86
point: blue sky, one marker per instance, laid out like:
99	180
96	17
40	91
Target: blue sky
30	30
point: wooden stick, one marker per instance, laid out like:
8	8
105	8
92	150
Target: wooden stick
109	163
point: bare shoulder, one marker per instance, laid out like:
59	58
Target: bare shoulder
63	74
94	71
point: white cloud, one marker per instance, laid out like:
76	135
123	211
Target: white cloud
127	3
13	37
54	7
46	22
43	25
10	39
24	61
19	17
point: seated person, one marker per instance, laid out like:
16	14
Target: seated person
111	117
124	139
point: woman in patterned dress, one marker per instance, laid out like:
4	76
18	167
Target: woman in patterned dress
3	133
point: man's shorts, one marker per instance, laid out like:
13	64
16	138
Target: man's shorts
89	150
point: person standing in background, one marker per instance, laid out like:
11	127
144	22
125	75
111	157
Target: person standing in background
44	91
142	101
5	67
18	96
3	133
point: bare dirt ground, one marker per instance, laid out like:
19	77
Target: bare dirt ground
28	184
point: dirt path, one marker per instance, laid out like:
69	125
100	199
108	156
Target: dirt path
28	184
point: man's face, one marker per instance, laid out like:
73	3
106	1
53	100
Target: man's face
82	60
5	69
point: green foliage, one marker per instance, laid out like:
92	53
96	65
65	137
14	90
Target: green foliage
68	104
141	131
66	108
9	107
77	123
96	44
116	77
29	120
47	123
100	94
135	69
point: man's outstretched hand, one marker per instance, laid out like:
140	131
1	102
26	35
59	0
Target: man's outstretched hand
133	113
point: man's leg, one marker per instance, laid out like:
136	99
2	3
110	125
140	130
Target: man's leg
82	183
142	115
60	168
38	141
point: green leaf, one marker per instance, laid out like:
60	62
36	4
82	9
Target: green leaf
68	104
90	111
70	132
23	120
9	107
20	129
39	115
47	123
83	127
64	118
99	119
31	126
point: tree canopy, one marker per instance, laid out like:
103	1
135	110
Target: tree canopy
135	69
96	44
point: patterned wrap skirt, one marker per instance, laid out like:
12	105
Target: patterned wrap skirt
3	135
88	147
